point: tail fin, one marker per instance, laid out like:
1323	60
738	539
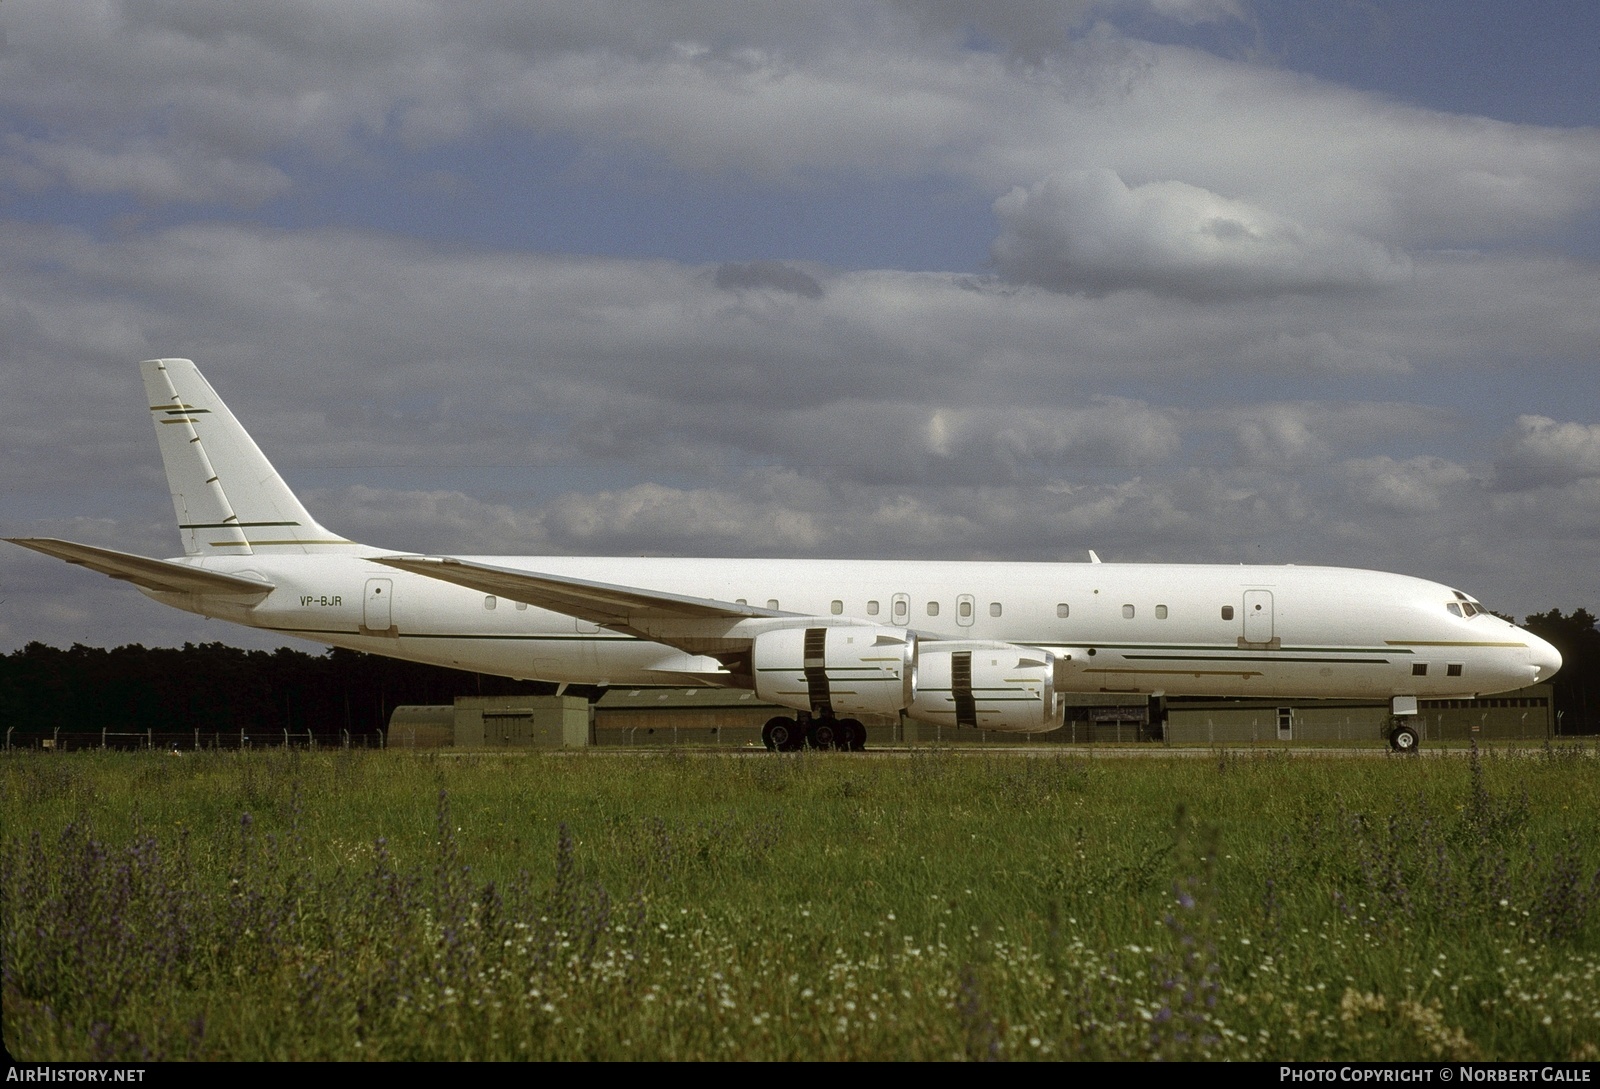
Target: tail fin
230	500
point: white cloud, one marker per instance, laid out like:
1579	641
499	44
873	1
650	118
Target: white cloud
1540	451
178	100
1302	433
1278	434
1111	432
1087	231
1326	351
1565	519
1418	485
1197	11
147	170
356	349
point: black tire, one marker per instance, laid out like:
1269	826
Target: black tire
797	739
852	735
782	734
825	733
1404	739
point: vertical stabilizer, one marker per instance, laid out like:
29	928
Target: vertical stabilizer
229	499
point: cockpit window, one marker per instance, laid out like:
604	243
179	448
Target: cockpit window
1455	609
1464	605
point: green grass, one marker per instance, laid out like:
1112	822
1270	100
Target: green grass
928	905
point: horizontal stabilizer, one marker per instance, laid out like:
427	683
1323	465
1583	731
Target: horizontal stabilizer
621	608
163	576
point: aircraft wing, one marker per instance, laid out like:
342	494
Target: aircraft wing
695	625
620	608
160	575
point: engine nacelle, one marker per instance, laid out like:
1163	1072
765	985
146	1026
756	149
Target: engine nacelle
842	669
989	686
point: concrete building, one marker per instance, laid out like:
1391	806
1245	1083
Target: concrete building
494	722
731	718
1524	715
421	727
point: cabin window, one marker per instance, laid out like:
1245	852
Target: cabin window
836	607
964	610
522	606
872	608
1062	610
1419	669
933	608
994	608
1161	612
1227	612
1453	669
1127	612
900	609
740	601
489	602
772	603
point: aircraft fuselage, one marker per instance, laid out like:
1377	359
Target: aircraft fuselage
1175	629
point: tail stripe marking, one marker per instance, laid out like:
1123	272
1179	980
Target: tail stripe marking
230	523
213	485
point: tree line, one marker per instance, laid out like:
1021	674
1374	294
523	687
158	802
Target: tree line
1577	686
213	687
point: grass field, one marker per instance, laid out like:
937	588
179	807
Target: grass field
928	905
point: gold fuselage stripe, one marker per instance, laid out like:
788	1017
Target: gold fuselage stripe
1446	643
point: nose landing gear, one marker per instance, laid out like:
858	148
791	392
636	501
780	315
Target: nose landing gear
1403	737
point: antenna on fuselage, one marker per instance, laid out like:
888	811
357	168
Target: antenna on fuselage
1094	557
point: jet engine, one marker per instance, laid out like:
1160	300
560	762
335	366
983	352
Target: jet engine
843	669
989	686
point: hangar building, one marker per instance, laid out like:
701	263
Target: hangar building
731	718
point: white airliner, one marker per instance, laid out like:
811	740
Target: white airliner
989	645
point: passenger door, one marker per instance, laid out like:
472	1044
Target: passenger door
377	608
1258	624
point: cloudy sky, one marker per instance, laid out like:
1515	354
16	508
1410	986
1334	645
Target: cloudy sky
1177	280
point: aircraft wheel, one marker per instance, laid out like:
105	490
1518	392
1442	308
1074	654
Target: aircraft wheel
1404	739
797	739
825	734
782	734
852	735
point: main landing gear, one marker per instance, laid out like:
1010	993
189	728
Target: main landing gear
784	734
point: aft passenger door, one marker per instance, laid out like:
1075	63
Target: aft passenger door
377	608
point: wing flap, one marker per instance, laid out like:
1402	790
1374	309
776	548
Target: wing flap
163	576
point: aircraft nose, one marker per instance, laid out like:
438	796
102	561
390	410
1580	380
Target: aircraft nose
1545	659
